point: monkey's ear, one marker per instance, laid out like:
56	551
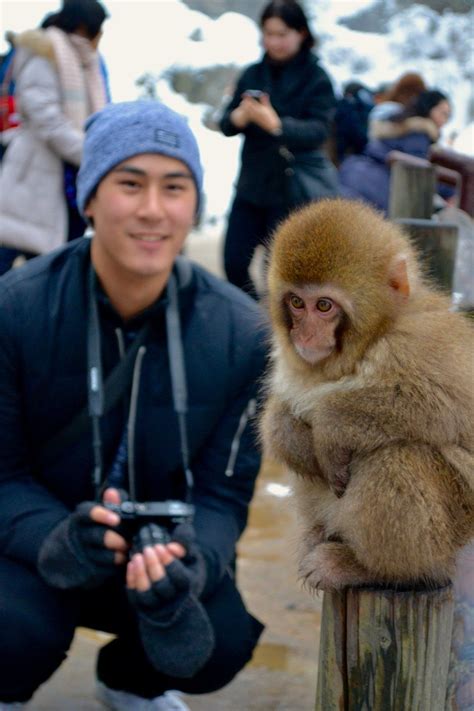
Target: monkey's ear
398	276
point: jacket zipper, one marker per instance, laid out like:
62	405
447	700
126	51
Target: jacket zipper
249	412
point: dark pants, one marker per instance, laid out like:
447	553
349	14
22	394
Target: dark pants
8	256
76	228
37	625
248	226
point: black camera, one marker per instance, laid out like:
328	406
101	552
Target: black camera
149	523
254	93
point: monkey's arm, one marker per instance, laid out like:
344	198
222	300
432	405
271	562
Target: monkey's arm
288	439
360	420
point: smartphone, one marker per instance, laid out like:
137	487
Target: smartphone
254	93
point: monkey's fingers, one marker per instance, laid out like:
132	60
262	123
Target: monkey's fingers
339	482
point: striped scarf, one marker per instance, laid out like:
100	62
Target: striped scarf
80	78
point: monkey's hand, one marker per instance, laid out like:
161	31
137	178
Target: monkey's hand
334	463
288	439
332	452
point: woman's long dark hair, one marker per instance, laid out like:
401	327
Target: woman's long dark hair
292	14
89	14
422	105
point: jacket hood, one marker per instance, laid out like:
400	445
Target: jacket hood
393	129
28	43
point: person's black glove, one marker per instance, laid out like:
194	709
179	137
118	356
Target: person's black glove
73	555
175	629
194	561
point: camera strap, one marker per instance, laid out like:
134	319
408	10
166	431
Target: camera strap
178	383
103	397
178	377
114	387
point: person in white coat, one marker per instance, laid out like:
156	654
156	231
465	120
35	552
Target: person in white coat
59	83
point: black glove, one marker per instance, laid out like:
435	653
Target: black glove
73	555
194	561
175	630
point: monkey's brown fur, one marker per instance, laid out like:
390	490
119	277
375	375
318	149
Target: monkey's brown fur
391	407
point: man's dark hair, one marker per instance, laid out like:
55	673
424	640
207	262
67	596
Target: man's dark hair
292	14
89	14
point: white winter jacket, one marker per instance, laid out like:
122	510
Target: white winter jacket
33	211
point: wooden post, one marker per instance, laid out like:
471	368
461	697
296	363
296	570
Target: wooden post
437	244
462	164
384	650
412	186
460	696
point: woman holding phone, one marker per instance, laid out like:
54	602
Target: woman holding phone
284	102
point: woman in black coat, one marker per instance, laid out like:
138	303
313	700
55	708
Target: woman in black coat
284	106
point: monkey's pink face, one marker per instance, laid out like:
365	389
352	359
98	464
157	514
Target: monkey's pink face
314	318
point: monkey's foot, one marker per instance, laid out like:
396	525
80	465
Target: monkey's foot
331	566
310	538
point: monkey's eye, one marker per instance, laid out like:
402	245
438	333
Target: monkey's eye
324	305
296	302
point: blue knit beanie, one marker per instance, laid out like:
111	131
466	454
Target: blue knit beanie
120	131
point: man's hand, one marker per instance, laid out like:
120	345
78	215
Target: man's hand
147	568
83	550
174	627
112	540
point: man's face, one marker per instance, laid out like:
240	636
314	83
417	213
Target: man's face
142	211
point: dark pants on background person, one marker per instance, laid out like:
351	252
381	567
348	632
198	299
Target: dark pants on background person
76	228
37	626
249	226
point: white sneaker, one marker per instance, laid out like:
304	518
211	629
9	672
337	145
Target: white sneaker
123	701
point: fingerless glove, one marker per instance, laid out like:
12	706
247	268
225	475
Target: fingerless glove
73	555
175	629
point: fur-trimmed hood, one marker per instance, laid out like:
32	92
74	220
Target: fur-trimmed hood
383	130
32	42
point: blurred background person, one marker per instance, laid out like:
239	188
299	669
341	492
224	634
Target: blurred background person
397	97
412	131
351	121
59	81
8	115
285	100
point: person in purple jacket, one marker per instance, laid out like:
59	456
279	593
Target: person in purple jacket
413	130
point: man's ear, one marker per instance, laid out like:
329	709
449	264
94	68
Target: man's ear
398	276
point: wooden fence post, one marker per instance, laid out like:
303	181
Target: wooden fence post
437	245
384	650
460	696
412	186
462	164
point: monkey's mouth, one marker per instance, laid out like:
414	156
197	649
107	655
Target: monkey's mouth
314	355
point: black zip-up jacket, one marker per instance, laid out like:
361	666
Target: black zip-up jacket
302	95
43	316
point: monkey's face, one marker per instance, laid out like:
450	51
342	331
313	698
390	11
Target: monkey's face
313	315
345	254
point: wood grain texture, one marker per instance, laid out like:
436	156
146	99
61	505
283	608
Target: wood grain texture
385	650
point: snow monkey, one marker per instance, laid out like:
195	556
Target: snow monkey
370	401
